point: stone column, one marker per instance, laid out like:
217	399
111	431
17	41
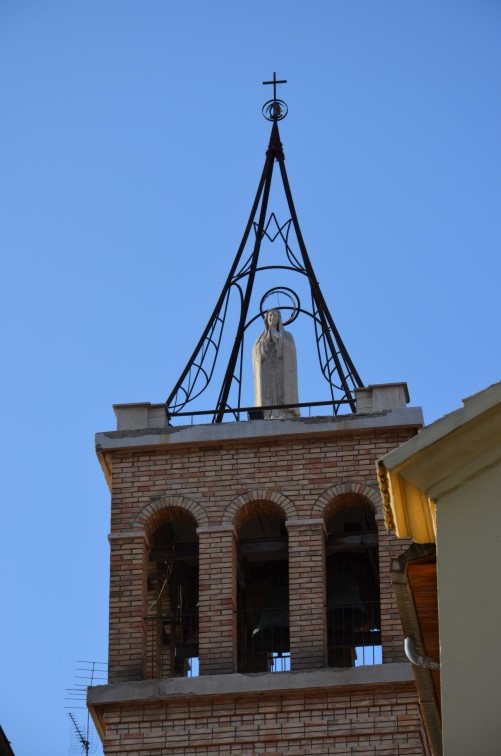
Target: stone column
308	625
129	555
217	599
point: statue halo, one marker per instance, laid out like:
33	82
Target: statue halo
294	306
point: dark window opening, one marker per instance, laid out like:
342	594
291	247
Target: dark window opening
172	612
263	595
352	584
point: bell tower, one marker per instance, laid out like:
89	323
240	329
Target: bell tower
251	607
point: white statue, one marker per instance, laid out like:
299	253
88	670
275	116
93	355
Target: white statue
275	368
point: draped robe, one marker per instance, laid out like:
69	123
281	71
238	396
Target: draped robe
275	371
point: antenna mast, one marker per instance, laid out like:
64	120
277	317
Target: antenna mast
83	740
93	672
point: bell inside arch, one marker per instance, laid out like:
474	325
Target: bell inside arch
345	607
272	631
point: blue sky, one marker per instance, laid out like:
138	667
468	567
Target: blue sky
131	142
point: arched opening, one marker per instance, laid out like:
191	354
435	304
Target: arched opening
263	591
172	611
352	583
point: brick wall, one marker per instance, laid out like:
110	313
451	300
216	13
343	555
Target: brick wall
380	720
219	484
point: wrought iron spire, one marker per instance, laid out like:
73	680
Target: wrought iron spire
238	301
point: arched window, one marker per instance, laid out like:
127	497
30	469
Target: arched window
263	591
352	582
172	612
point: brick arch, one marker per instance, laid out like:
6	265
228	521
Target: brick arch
342	489
258	500
153	514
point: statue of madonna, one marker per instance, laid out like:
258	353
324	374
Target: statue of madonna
275	368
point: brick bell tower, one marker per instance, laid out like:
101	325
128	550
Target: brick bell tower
251	608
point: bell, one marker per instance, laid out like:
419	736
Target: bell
345	608
272	632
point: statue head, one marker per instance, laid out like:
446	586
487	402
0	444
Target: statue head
273	320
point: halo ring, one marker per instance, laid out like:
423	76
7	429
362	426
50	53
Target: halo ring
275	110
291	296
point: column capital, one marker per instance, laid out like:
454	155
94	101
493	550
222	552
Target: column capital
129	535
306	522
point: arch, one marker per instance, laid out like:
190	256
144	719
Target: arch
241	506
342	488
154	513
172	585
350	510
259	517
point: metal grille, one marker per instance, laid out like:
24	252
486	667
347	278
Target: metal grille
172	645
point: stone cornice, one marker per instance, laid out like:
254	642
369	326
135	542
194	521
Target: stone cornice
256	430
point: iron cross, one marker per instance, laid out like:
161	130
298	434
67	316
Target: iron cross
275	82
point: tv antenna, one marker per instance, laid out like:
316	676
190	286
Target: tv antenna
84	741
84	738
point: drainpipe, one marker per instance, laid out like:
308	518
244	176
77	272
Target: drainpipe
418	659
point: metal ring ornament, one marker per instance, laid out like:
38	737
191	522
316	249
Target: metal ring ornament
291	296
275	110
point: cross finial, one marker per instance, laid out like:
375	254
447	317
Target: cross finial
275	110
275	82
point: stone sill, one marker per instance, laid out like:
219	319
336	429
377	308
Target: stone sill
151	691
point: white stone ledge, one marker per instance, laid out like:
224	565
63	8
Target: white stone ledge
219	433
240	684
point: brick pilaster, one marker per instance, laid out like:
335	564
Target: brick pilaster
392	637
217	599
308	626
129	553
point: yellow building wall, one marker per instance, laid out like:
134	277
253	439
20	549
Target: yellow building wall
469	590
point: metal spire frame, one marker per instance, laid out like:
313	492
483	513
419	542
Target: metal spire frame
335	363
